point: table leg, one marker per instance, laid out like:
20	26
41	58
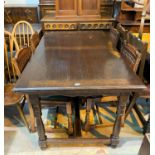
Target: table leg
34	99
69	114
117	125
77	122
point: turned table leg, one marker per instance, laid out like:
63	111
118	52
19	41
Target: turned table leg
34	99
69	114
117	125
77	121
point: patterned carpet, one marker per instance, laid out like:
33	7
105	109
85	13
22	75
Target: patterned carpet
130	137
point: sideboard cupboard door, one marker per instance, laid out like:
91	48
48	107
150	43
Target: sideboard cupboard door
66	8
89	8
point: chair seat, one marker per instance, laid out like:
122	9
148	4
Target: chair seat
11	98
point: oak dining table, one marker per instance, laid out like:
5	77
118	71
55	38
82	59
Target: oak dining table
77	64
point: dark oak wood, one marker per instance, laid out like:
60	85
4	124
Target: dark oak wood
77	122
34	40
115	35
40	126
142	48
120	114
47	7
50	22
79	14
89	8
123	35
132	57
76	141
66	8
77	64
78	8
71	63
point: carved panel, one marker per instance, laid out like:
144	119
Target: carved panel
74	26
14	14
60	26
95	25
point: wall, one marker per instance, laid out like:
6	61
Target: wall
21	1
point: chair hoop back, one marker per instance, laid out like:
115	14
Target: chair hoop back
22	31
141	47
10	46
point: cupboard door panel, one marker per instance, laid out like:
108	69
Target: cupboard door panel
87	7
66	7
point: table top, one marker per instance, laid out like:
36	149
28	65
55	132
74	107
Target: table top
77	63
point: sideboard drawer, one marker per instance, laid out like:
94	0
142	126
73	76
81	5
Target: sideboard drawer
95	25
60	26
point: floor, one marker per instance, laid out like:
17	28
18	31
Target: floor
18	141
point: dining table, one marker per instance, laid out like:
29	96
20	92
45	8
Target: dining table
78	64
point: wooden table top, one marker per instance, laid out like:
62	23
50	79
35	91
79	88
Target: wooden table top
77	63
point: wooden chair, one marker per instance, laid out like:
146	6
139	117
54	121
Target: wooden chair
9	52
11	98
114	34
123	35
56	102
132	57
22	31
142	47
34	40
19	62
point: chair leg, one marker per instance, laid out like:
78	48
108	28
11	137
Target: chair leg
131	105
96	120
56	117
32	118
87	119
69	114
123	117
22	116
